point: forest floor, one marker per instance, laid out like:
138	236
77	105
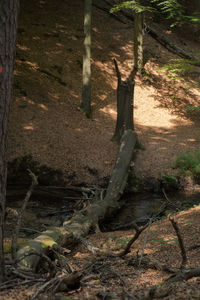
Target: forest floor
46	121
45	117
119	277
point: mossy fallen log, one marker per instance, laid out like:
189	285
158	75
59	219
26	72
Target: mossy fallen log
81	223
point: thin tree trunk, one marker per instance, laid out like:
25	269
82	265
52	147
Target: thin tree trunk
86	90
138	41
8	25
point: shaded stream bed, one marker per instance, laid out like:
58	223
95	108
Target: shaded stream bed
44	212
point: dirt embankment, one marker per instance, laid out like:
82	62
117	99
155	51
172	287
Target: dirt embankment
45	117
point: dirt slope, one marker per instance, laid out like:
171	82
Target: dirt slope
45	117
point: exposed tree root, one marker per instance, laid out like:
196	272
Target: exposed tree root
19	219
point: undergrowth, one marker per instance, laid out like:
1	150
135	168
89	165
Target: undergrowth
189	164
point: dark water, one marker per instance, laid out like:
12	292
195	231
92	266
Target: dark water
141	207
41	214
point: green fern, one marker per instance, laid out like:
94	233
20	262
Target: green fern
178	68
133	5
189	163
172	9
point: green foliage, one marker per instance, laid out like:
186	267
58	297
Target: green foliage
170	181
178	68
189	163
122	242
134	5
172	9
163	242
193	19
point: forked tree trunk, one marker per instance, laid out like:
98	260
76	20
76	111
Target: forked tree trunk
86	89
8	25
125	95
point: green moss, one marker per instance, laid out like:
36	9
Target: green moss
170	182
8	244
48	242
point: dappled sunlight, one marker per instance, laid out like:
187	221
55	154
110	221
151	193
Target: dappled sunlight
59	45
36	38
110	111
54	96
23	47
33	65
48	91
29	127
42	106
103	67
158	141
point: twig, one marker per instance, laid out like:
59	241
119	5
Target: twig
194	247
13	283
117	71
184	275
136	236
181	243
152	264
42	255
43	287
28	195
168	200
145	241
90	246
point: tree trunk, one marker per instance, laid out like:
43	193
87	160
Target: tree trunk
86	90
125	94
83	221
8	25
161	39
138	41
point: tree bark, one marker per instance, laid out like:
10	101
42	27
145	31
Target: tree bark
8	26
138	41
86	90
125	95
83	221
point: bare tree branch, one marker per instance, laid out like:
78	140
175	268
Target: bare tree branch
19	220
117	71
181	243
136	236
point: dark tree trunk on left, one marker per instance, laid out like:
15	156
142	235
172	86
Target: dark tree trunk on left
8	26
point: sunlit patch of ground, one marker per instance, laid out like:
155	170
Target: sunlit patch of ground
45	116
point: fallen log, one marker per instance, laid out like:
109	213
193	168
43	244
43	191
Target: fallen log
83	221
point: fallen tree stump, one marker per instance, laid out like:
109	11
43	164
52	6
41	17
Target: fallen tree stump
83	221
